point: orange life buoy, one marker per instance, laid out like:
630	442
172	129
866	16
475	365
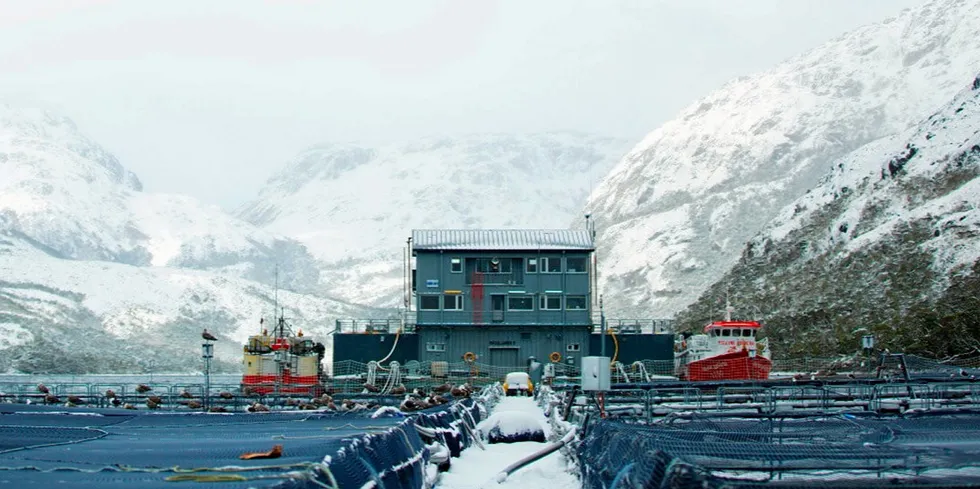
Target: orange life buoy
469	356
555	357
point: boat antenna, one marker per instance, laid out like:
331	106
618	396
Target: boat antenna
275	307
728	307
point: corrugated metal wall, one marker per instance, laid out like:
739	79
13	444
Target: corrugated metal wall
502	344
434	276
633	347
366	347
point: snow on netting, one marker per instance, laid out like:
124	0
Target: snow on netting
855	451
47	447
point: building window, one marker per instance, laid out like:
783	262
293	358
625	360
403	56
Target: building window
550	302
575	264
429	302
456	265
551	264
452	302
520	303
494	265
435	347
573	347
575	302
532	265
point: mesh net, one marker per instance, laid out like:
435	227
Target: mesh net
698	450
45	446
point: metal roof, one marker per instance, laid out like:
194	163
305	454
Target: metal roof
501	239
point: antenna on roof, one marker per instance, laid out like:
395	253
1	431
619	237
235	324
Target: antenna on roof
590	225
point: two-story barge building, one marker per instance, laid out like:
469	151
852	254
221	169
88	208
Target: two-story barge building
499	297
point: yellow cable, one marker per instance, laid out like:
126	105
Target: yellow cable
616	344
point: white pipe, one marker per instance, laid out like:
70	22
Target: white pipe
534	457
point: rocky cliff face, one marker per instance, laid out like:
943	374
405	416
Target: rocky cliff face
675	214
887	243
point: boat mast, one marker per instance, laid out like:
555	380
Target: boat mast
728	307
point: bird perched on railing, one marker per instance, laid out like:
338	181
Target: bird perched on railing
143	388
43	389
208	336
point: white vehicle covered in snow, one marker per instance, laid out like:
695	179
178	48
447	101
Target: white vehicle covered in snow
518	383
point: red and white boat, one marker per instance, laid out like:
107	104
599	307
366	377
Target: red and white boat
283	363
728	350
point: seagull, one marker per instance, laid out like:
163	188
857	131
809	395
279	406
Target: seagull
208	336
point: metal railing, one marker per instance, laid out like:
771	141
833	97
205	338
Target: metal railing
377	326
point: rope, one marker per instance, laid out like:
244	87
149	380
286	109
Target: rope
621	475
373	472
397	335
102	434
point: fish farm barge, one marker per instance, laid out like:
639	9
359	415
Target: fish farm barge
627	403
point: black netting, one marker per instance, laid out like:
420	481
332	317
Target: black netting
47	447
916	450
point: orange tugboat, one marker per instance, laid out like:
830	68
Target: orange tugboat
283	362
728	350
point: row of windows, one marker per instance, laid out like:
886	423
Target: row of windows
441	347
732	332
546	302
546	264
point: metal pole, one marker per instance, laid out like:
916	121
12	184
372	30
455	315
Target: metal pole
207	352
602	324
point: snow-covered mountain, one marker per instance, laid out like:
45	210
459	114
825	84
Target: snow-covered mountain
674	215
355	206
65	192
888	242
122	279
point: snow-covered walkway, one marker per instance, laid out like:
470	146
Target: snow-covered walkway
477	468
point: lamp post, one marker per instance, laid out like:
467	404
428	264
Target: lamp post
207	353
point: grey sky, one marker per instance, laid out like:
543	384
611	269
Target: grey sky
211	98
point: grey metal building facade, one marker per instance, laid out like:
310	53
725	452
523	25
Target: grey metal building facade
501	296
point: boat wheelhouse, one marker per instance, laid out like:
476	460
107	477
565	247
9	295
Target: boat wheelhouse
727	350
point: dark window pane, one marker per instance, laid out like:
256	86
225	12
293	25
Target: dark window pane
574	302
519	303
575	264
452	302
429	302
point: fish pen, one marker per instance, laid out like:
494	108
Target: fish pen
48	446
848	450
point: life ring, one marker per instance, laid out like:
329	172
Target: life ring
555	357
469	356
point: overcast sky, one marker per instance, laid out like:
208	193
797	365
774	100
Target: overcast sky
211	98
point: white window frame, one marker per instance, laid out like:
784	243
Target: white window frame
585	264
543	303
435	347
531	262
454	264
545	261
438	302
517	296
585	302
459	302
573	347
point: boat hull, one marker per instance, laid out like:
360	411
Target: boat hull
729	366
287	384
